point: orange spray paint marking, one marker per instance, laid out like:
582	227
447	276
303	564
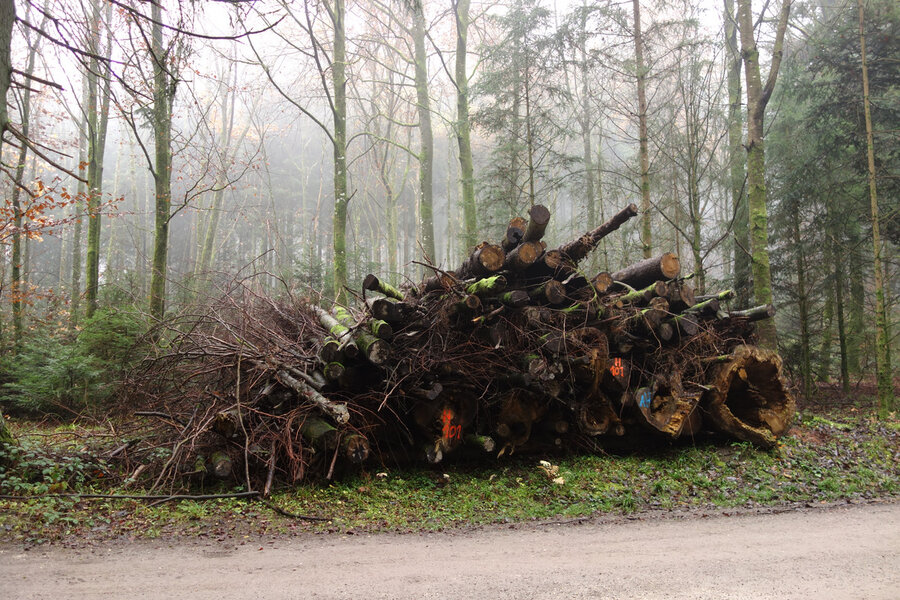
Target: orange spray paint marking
617	369
450	431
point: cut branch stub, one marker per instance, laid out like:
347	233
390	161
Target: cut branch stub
748	397
538	217
645	272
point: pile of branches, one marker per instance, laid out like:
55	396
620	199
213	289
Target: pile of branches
516	350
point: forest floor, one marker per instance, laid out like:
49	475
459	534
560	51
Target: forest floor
836	453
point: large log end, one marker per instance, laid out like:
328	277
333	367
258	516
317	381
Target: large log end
749	397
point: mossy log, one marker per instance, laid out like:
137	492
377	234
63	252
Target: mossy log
335	410
551	292
381	329
221	465
374	284
643	296
757	313
748	397
490	286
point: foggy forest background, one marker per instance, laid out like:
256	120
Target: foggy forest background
307	144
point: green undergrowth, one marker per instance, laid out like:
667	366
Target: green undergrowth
823	459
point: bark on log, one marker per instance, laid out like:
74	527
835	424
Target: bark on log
319	433
643	296
376	350
538	217
578	249
482	442
551	292
515	298
723	296
681	296
438	282
338	331
645	272
707	308
337	411
381	329
490	286
757	313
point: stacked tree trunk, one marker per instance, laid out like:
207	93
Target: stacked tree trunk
517	349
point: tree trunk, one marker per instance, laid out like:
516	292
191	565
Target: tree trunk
757	98
882	341
7	20
803	306
463	133
426	152
741	246
646	240
19	290
339	81
163	95
98	100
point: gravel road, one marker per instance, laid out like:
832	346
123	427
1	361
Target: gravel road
839	552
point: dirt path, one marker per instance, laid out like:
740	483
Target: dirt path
845	552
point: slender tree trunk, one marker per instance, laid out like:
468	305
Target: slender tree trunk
758	95
426	151
463	130
802	305
339	81
586	125
7	20
842	331
18	288
646	239
882	335
81	193
98	99
856	338
741	246
163	93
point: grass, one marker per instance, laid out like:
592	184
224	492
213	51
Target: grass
823	459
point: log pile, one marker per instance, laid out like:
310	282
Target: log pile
518	349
